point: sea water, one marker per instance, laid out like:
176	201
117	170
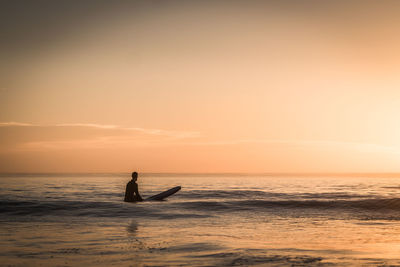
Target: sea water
215	220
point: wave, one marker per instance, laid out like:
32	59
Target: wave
366	204
226	195
189	208
88	209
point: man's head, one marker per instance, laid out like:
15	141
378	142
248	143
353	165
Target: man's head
134	176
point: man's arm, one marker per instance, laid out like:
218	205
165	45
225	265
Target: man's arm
138	197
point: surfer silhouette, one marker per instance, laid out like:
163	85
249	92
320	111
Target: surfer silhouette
132	191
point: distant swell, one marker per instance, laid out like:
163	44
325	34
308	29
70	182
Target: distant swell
367	204
188	208
256	194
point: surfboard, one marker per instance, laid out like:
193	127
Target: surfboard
164	194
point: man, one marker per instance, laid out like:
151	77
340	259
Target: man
132	191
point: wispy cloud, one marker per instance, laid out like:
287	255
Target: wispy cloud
177	134
89	125
309	144
13	124
190	138
148	131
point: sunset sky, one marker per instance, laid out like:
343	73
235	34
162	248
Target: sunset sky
200	86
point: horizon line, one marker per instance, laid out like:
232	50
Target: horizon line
205	173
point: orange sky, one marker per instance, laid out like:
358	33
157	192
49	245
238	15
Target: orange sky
206	86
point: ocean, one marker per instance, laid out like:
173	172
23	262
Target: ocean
215	220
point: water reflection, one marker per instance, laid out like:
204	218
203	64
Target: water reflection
132	228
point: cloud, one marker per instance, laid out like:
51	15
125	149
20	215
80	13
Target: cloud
90	125
309	144
12	123
155	132
125	138
176	134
